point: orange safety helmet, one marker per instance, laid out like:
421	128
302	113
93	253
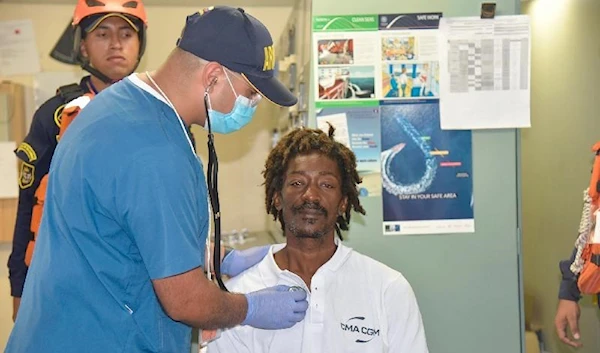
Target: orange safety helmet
87	8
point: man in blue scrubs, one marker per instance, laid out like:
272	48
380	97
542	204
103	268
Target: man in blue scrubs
118	264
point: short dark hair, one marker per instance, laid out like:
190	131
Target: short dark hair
303	141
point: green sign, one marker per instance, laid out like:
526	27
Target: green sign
347	104
345	23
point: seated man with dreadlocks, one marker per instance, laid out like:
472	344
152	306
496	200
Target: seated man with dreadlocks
356	304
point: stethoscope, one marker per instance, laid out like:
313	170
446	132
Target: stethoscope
212	185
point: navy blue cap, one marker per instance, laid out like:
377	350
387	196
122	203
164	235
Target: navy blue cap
239	42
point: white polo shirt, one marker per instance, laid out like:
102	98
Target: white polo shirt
356	304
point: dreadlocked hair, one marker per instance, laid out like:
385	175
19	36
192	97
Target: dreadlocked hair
303	141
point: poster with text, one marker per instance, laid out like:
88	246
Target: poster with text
486	72
345	53
358	128
409	56
427	174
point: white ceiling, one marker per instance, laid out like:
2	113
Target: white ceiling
191	3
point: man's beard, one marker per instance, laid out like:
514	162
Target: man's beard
301	233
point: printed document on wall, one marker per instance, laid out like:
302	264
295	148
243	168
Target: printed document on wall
409	56
427	173
345	57
485	70
18	52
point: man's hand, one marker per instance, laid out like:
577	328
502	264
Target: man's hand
238	261
567	314
275	308
16	304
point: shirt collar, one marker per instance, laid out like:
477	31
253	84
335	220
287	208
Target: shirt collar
87	85
146	87
272	274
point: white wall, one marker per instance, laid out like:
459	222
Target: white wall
241	155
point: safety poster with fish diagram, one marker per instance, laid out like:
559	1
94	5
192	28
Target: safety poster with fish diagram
378	85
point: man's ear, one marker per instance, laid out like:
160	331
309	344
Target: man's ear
277	201
83	49
343	206
210	74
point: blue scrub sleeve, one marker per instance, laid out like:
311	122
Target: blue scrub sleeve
160	208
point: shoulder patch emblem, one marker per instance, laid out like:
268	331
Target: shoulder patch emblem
58	115
28	150
27	175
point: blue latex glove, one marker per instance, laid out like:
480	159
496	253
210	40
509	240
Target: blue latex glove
275	308
238	261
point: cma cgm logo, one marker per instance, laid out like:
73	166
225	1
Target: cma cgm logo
356	326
